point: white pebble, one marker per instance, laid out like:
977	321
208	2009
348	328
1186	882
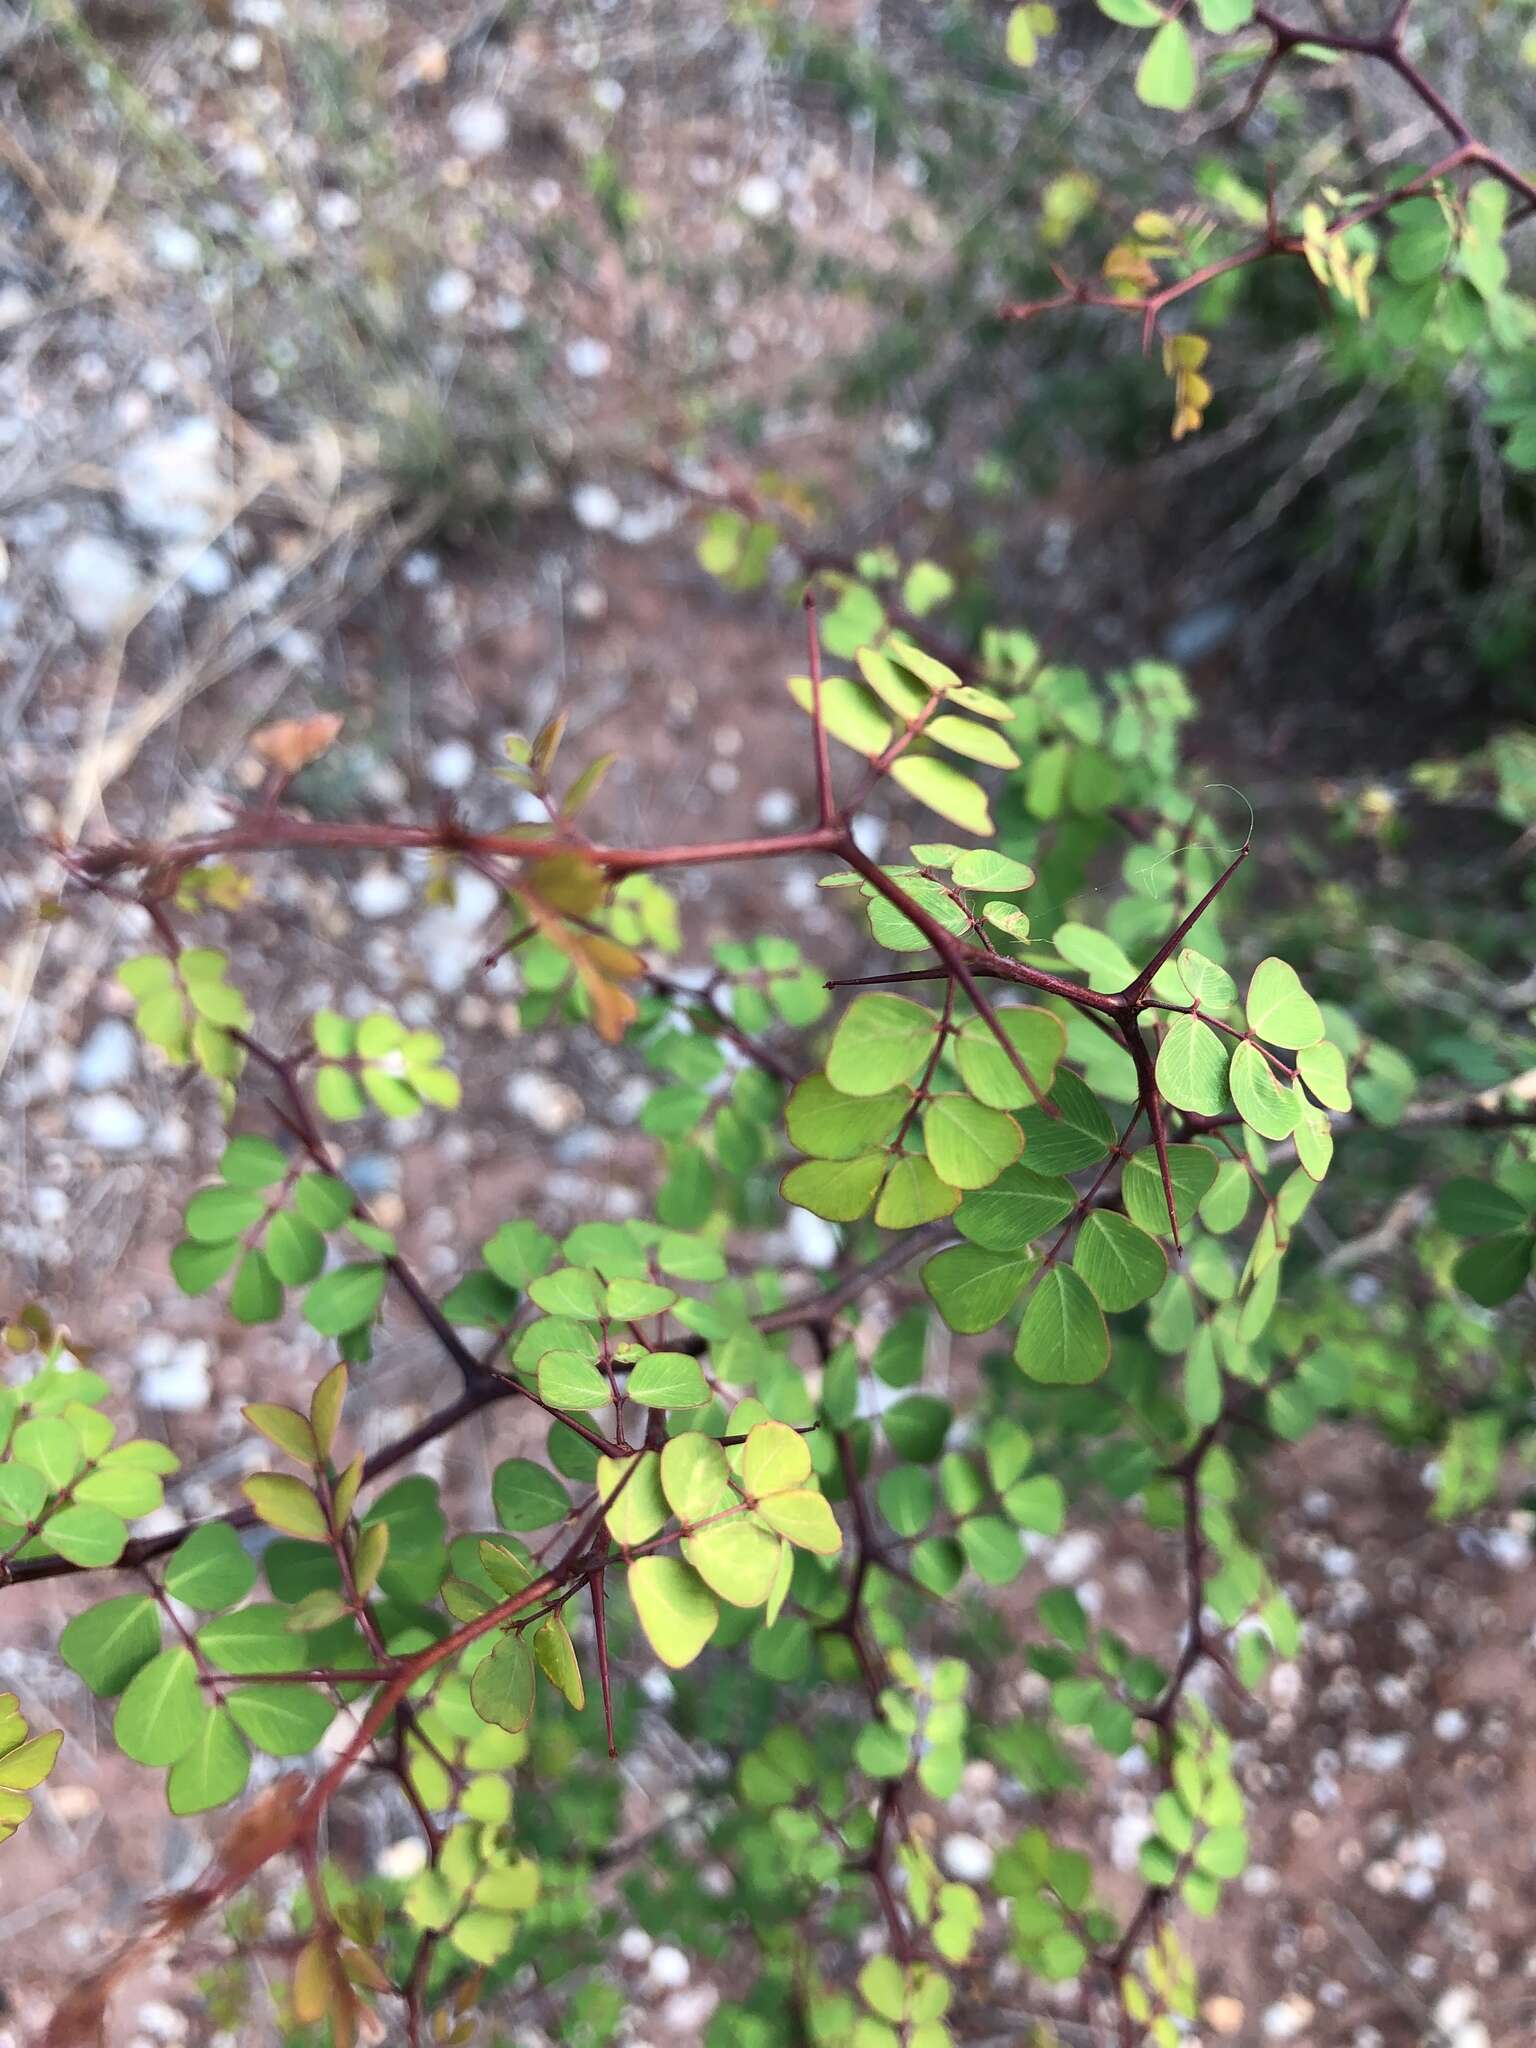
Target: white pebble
98	581
685	2013
452	764
967	1858
243	52
812	1242
107	1057
336	210
1073	1557
668	1968
450	292
760	197
161	2020
635	1945
587	356
547	1104
1379	1753
110	1123
380	892
1451	1724
173	484
208	574
179	1381
49	1204
479	127
403	1858
175	247
595	507
1283	2022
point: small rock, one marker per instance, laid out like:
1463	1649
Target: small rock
1379	1753
243	52
110	1123
1510	1548
812	1242
450	292
509	314
403	1858
163	2021
596	507
175	247
370	1174
668	1969
635	1945
17	305
98	581
49	1204
450	939
1285	2020
1454	2007
1223	2015
686	2013
72	1802
1128	1831
173	484
1073	1557
336	210
1451	1724
208	574
452	764
107	1058
587	356
760	197
547	1104
967	1858
380	892
479	127
175	1376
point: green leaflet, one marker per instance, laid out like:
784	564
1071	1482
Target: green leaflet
974	1289
1262	1102
675	1607
838	1189
830	1125
913	1193
1121	1263
1038	1035
968	1145
1192	1067
1019	1207
1279	1009
1063	1339
880	1041
1167	76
